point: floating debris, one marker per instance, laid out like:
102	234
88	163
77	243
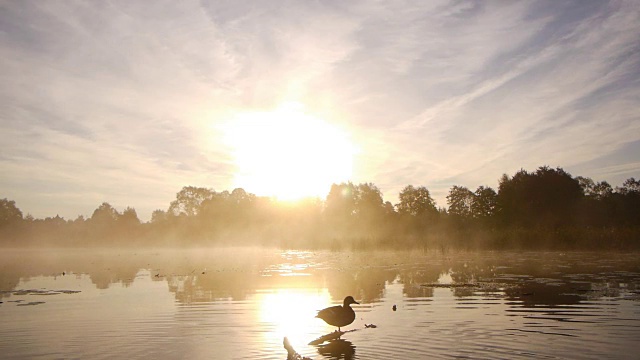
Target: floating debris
370	326
394	307
69	291
31	303
330	336
43	292
291	353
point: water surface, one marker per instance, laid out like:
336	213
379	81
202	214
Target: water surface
239	303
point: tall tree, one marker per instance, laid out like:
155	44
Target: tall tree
129	217
485	202
547	197
105	213
104	221
9	212
341	200
340	206
628	202
593	190
158	216
460	200
369	210
416	201
630	185
189	199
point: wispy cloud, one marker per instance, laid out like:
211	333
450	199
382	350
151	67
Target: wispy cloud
560	92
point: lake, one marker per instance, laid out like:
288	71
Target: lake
240	303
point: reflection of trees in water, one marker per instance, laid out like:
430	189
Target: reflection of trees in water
12	268
366	285
206	275
103	269
209	287
413	279
536	293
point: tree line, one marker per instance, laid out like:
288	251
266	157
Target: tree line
544	209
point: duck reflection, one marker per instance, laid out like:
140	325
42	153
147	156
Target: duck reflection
337	349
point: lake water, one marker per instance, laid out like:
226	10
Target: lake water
239	303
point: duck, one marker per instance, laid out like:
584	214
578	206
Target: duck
339	315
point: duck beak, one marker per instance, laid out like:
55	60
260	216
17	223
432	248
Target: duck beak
355	302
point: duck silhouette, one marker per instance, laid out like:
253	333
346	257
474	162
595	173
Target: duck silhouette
339	315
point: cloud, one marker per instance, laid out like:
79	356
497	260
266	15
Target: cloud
555	99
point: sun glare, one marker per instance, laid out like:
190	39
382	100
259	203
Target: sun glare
292	313
287	153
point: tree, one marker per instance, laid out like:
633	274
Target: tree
369	209
629	186
460	199
9	212
593	190
158	216
485	202
547	197
105	213
340	207
341	201
416	201
628	202
189	199
240	205
103	220
369	202
129	217
240	198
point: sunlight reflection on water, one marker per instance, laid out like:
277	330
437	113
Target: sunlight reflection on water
292	312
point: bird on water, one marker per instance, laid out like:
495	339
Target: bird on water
339	315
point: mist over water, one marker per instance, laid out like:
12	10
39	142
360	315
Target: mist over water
239	303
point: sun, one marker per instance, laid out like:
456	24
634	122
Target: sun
287	153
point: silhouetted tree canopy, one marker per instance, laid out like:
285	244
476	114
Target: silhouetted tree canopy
630	186
591	189
158	216
9	212
189	199
416	201
545	208
129	217
460	200
485	203
105	214
546	197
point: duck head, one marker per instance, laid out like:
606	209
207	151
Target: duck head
349	300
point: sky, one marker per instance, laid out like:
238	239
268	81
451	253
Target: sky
128	101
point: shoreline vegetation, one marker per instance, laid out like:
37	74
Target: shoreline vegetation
547	209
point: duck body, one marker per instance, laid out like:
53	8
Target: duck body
339	315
